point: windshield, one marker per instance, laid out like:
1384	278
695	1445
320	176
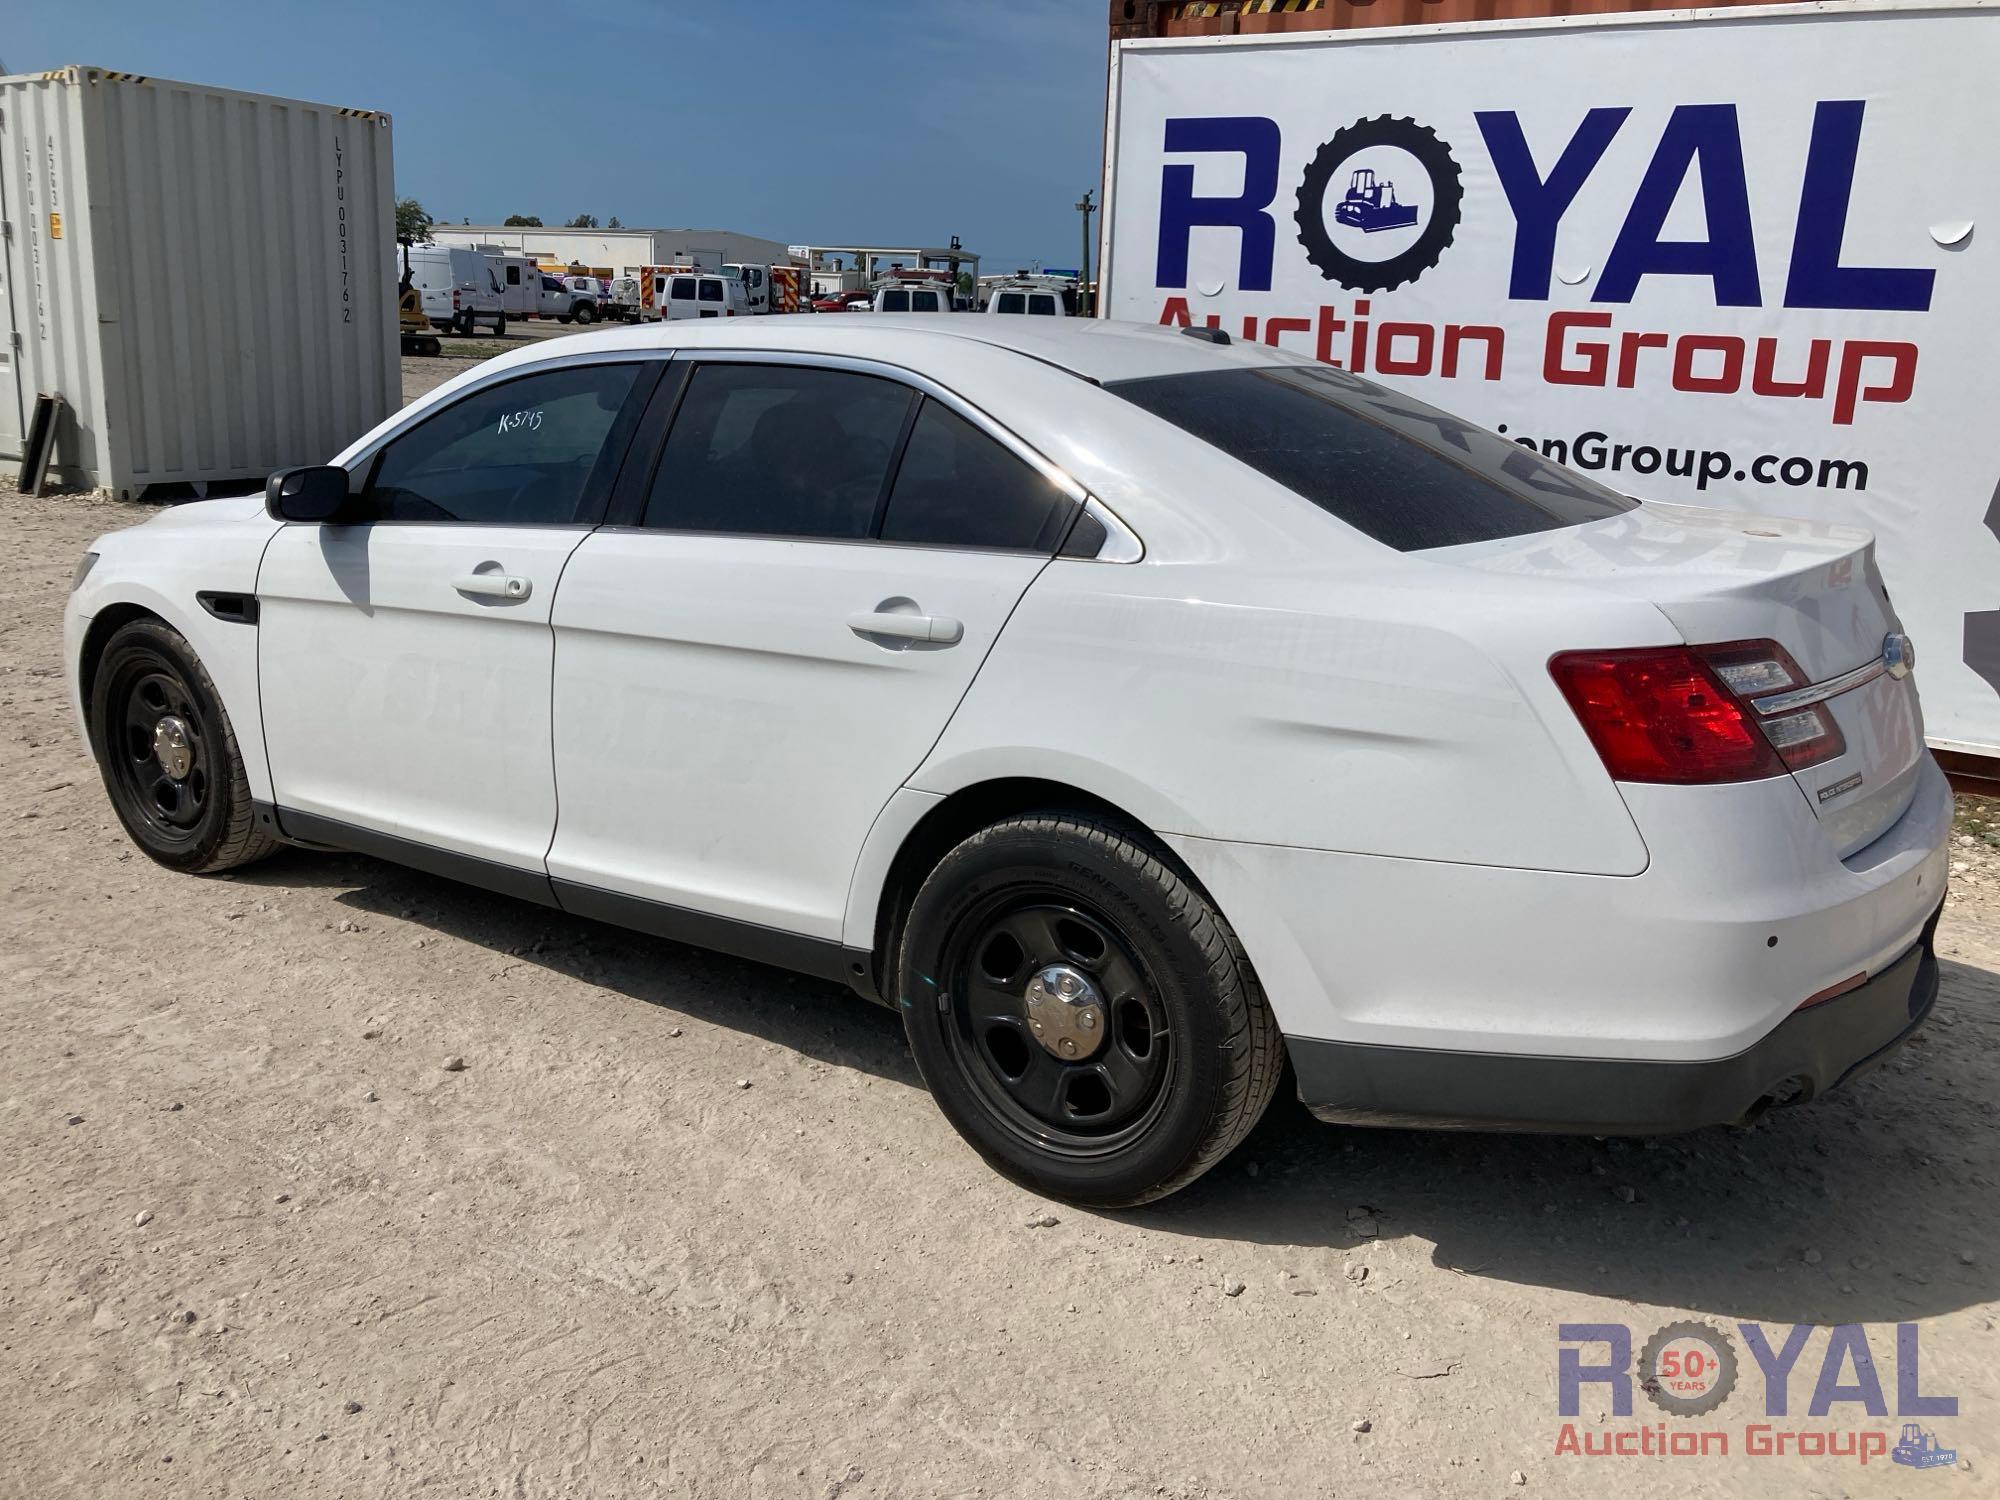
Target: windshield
1404	473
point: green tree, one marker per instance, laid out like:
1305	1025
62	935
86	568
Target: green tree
523	221
614	224
412	223
582	221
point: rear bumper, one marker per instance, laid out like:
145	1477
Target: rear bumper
1812	1051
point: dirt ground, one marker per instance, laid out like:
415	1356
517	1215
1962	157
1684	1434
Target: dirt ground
258	1241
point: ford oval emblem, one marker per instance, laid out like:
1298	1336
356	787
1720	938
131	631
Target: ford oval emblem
1898	654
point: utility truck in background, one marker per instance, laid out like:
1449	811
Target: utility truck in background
1723	258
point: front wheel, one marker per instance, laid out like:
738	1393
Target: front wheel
585	313
500	326
168	754
1082	1014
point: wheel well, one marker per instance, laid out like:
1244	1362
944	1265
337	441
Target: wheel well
106	623
965	812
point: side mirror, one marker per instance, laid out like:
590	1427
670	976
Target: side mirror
317	492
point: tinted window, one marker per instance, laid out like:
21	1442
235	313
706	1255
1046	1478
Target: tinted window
684	286
529	452
895	302
1043	305
711	291
957	487
1404	473
923	302
1013	302
778	450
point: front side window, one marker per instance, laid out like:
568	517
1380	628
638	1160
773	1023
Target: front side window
711	289
529	452
778	450
957	487
1404	473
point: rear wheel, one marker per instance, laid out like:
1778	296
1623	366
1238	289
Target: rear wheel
1083	1016
169	755
500	326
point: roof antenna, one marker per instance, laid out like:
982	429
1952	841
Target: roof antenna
1207	335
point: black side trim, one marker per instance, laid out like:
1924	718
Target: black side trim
237	609
822	957
1810	1052
308	828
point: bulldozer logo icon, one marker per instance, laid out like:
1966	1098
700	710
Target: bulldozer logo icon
1406	187
1917	1449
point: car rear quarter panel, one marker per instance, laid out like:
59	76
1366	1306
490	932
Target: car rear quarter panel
1396	709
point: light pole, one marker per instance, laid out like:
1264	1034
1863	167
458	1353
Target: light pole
1086	208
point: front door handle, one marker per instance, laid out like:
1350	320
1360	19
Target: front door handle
933	630
506	586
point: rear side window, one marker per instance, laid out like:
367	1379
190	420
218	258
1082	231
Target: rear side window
1404	473
895	302
778	450
529	452
957	487
1013	302
711	291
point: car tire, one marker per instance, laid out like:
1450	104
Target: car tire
585	313
1179	1055
168	754
562	317
462	325
500	326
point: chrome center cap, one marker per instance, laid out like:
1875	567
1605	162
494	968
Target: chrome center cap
171	748
1065	1012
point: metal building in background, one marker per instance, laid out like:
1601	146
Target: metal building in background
206	277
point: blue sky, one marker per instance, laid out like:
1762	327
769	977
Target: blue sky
842	120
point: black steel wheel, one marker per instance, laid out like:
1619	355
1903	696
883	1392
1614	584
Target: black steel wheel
168	754
1080	1011
1054	1020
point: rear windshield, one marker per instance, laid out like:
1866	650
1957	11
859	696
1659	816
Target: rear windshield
1404	473
895	302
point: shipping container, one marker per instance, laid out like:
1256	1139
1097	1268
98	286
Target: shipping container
206	277
1132	19
1724	257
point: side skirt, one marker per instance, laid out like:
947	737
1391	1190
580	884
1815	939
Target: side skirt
823	958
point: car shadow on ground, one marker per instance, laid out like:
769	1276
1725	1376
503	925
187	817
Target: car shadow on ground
1860	1208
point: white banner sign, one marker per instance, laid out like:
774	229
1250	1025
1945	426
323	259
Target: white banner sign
1746	260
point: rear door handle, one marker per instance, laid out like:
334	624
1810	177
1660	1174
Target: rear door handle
935	630
506	586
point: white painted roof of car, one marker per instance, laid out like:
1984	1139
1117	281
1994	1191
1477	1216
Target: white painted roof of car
1095	349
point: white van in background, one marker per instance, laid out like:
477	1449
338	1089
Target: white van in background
919	296
696	294
1028	298
756	283
461	288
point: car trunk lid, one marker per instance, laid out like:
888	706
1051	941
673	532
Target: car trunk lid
1811	587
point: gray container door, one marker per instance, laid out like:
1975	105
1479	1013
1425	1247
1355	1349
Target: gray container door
11	423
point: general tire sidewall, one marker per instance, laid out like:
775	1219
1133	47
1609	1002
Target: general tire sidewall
162	646
1176	969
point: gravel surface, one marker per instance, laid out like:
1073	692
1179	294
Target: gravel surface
335	1179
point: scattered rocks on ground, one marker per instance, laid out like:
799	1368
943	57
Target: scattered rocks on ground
143	1217
1232	1286
1043	1221
454	1064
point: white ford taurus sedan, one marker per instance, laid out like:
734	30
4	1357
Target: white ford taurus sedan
1133	711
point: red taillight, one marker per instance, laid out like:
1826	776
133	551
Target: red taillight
1682	715
1660	714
